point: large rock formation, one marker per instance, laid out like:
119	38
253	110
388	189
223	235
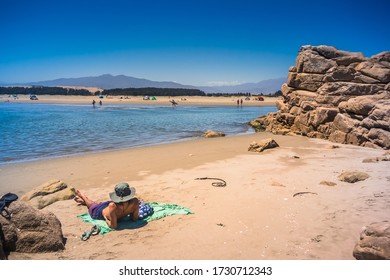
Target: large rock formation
30	230
3	256
374	243
336	95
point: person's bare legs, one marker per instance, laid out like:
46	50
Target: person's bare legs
83	199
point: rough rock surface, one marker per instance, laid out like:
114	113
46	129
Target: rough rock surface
353	177
262	145
48	193
30	230
336	95
212	134
374	243
2	253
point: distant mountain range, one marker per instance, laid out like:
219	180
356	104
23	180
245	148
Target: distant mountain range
265	86
108	81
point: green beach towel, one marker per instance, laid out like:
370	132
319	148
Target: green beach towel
161	210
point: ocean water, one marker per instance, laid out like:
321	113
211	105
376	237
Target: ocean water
37	131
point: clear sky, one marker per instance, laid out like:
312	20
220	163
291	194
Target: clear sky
198	42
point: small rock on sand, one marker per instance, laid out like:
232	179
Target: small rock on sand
262	145
328	183
213	134
353	177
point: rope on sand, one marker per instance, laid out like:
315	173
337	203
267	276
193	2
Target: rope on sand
214	184
302	193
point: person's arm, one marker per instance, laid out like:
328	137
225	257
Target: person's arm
112	220
134	214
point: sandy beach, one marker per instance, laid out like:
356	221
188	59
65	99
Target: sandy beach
258	215
81	113
160	100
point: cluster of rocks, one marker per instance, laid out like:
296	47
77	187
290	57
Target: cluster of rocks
30	229
336	95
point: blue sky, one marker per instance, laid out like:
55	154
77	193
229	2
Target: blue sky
190	42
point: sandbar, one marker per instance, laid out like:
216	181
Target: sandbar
139	100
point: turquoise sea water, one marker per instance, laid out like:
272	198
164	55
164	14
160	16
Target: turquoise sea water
37	131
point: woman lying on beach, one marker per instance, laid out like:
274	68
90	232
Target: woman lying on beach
122	203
